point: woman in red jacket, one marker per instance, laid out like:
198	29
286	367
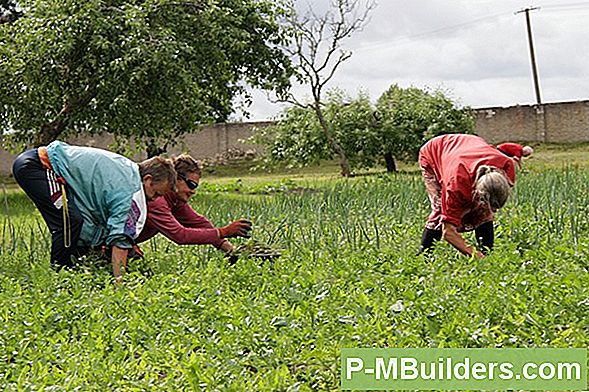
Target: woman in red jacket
515	151
173	216
467	181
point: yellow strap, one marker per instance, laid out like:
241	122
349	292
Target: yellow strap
67	229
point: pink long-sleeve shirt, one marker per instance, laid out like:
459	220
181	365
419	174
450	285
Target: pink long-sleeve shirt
179	222
455	159
513	150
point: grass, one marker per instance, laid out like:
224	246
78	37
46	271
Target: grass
185	320
546	156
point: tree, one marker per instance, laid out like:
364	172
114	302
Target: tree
9	11
297	138
148	70
354	127
317	53
409	117
403	121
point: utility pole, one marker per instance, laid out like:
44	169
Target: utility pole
532	55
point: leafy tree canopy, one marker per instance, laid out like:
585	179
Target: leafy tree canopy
408	117
142	69
403	121
297	138
9	11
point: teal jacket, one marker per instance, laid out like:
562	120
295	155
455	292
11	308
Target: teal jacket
106	188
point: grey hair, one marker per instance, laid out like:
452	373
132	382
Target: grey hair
492	186
161	169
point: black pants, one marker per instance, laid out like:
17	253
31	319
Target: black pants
484	233
485	237
42	187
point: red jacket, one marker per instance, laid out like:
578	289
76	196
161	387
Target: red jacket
179	222
512	150
455	159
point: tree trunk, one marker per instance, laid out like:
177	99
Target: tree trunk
343	159
154	150
50	131
389	161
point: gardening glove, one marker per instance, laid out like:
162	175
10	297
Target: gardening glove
232	256
135	253
239	228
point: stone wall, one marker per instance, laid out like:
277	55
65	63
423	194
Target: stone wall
563	122
205	143
217	139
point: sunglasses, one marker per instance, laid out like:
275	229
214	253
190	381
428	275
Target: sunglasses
191	184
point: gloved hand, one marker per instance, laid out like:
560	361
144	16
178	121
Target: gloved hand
239	228
231	257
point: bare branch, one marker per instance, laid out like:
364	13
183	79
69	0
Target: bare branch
289	98
343	57
317	51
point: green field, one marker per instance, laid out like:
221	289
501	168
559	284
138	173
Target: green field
348	277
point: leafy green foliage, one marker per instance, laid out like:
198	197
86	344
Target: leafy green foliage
403	121
347	277
355	127
149	70
408	117
297	138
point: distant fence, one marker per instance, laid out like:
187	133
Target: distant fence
206	143
562	122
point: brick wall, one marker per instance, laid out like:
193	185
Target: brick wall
563	122
205	143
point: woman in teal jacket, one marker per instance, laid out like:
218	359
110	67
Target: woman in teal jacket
89	197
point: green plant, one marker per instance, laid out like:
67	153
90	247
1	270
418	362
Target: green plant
185	319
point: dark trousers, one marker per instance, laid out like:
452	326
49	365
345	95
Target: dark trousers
484	233
42	187
485	236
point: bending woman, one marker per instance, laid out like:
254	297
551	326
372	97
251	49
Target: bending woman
467	181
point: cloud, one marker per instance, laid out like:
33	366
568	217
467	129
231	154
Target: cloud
477	49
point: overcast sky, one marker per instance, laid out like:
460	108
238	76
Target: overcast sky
476	50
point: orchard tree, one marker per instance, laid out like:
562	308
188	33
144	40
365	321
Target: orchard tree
317	53
404	120
148	70
408	117
354	127
297	139
9	11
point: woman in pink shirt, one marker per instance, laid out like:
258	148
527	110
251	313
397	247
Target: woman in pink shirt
515	151
467	181
173	216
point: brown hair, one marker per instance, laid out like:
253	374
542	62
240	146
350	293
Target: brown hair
492	186
160	169
185	164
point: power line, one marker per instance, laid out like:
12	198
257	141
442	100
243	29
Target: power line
456	27
565	10
408	38
577	4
